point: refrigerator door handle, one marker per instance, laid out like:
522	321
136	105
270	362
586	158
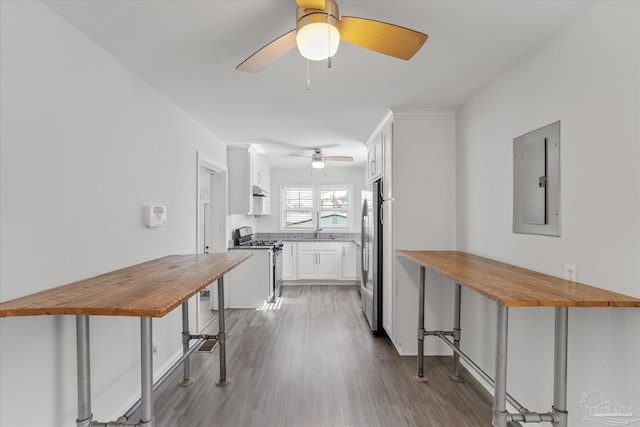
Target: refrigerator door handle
364	255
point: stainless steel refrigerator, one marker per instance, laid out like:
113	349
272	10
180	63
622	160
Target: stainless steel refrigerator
371	265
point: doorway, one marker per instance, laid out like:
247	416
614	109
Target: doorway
211	220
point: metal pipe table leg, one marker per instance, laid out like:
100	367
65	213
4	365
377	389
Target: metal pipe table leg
500	414
222	336
559	408
456	332
146	372
420	375
186	372
85	416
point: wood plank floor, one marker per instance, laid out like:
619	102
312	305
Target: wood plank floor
314	363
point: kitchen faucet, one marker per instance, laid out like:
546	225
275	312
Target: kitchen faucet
318	228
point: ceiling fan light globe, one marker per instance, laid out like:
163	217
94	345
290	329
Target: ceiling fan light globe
318	40
317	163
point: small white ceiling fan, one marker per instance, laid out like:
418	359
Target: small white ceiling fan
318	159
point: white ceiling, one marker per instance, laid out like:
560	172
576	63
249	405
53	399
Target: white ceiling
188	51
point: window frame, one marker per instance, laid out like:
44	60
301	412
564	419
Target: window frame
284	209
350	211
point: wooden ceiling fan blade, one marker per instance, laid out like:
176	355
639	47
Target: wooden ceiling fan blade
311	4
300	155
381	37
269	53
339	158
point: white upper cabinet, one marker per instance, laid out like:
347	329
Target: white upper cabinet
379	156
248	175
375	157
387	168
261	174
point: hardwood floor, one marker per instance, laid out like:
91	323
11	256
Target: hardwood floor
314	363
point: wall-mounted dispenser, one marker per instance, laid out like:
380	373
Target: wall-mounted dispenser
156	216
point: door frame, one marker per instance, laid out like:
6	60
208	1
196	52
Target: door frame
219	187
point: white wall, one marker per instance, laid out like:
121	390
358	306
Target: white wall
328	175
587	76
85	145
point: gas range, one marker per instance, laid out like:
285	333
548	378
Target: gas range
243	239
260	243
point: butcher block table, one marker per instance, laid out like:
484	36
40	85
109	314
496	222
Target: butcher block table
509	286
147	290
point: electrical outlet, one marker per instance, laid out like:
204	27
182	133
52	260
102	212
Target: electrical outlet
570	272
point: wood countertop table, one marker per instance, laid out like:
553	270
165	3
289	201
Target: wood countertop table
515	286
147	290
509	286
150	289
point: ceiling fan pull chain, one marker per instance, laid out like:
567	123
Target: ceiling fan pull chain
308	75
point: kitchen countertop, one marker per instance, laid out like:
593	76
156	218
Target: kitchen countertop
310	237
339	240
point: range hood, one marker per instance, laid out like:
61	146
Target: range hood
259	192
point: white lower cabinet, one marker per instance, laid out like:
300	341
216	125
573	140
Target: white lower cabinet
307	264
247	285
289	255
328	265
348	264
320	261
319	264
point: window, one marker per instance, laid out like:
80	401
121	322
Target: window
302	207
298	207
334	208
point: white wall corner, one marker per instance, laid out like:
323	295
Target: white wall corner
421	113
387	116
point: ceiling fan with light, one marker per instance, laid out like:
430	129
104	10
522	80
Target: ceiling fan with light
318	159
319	30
